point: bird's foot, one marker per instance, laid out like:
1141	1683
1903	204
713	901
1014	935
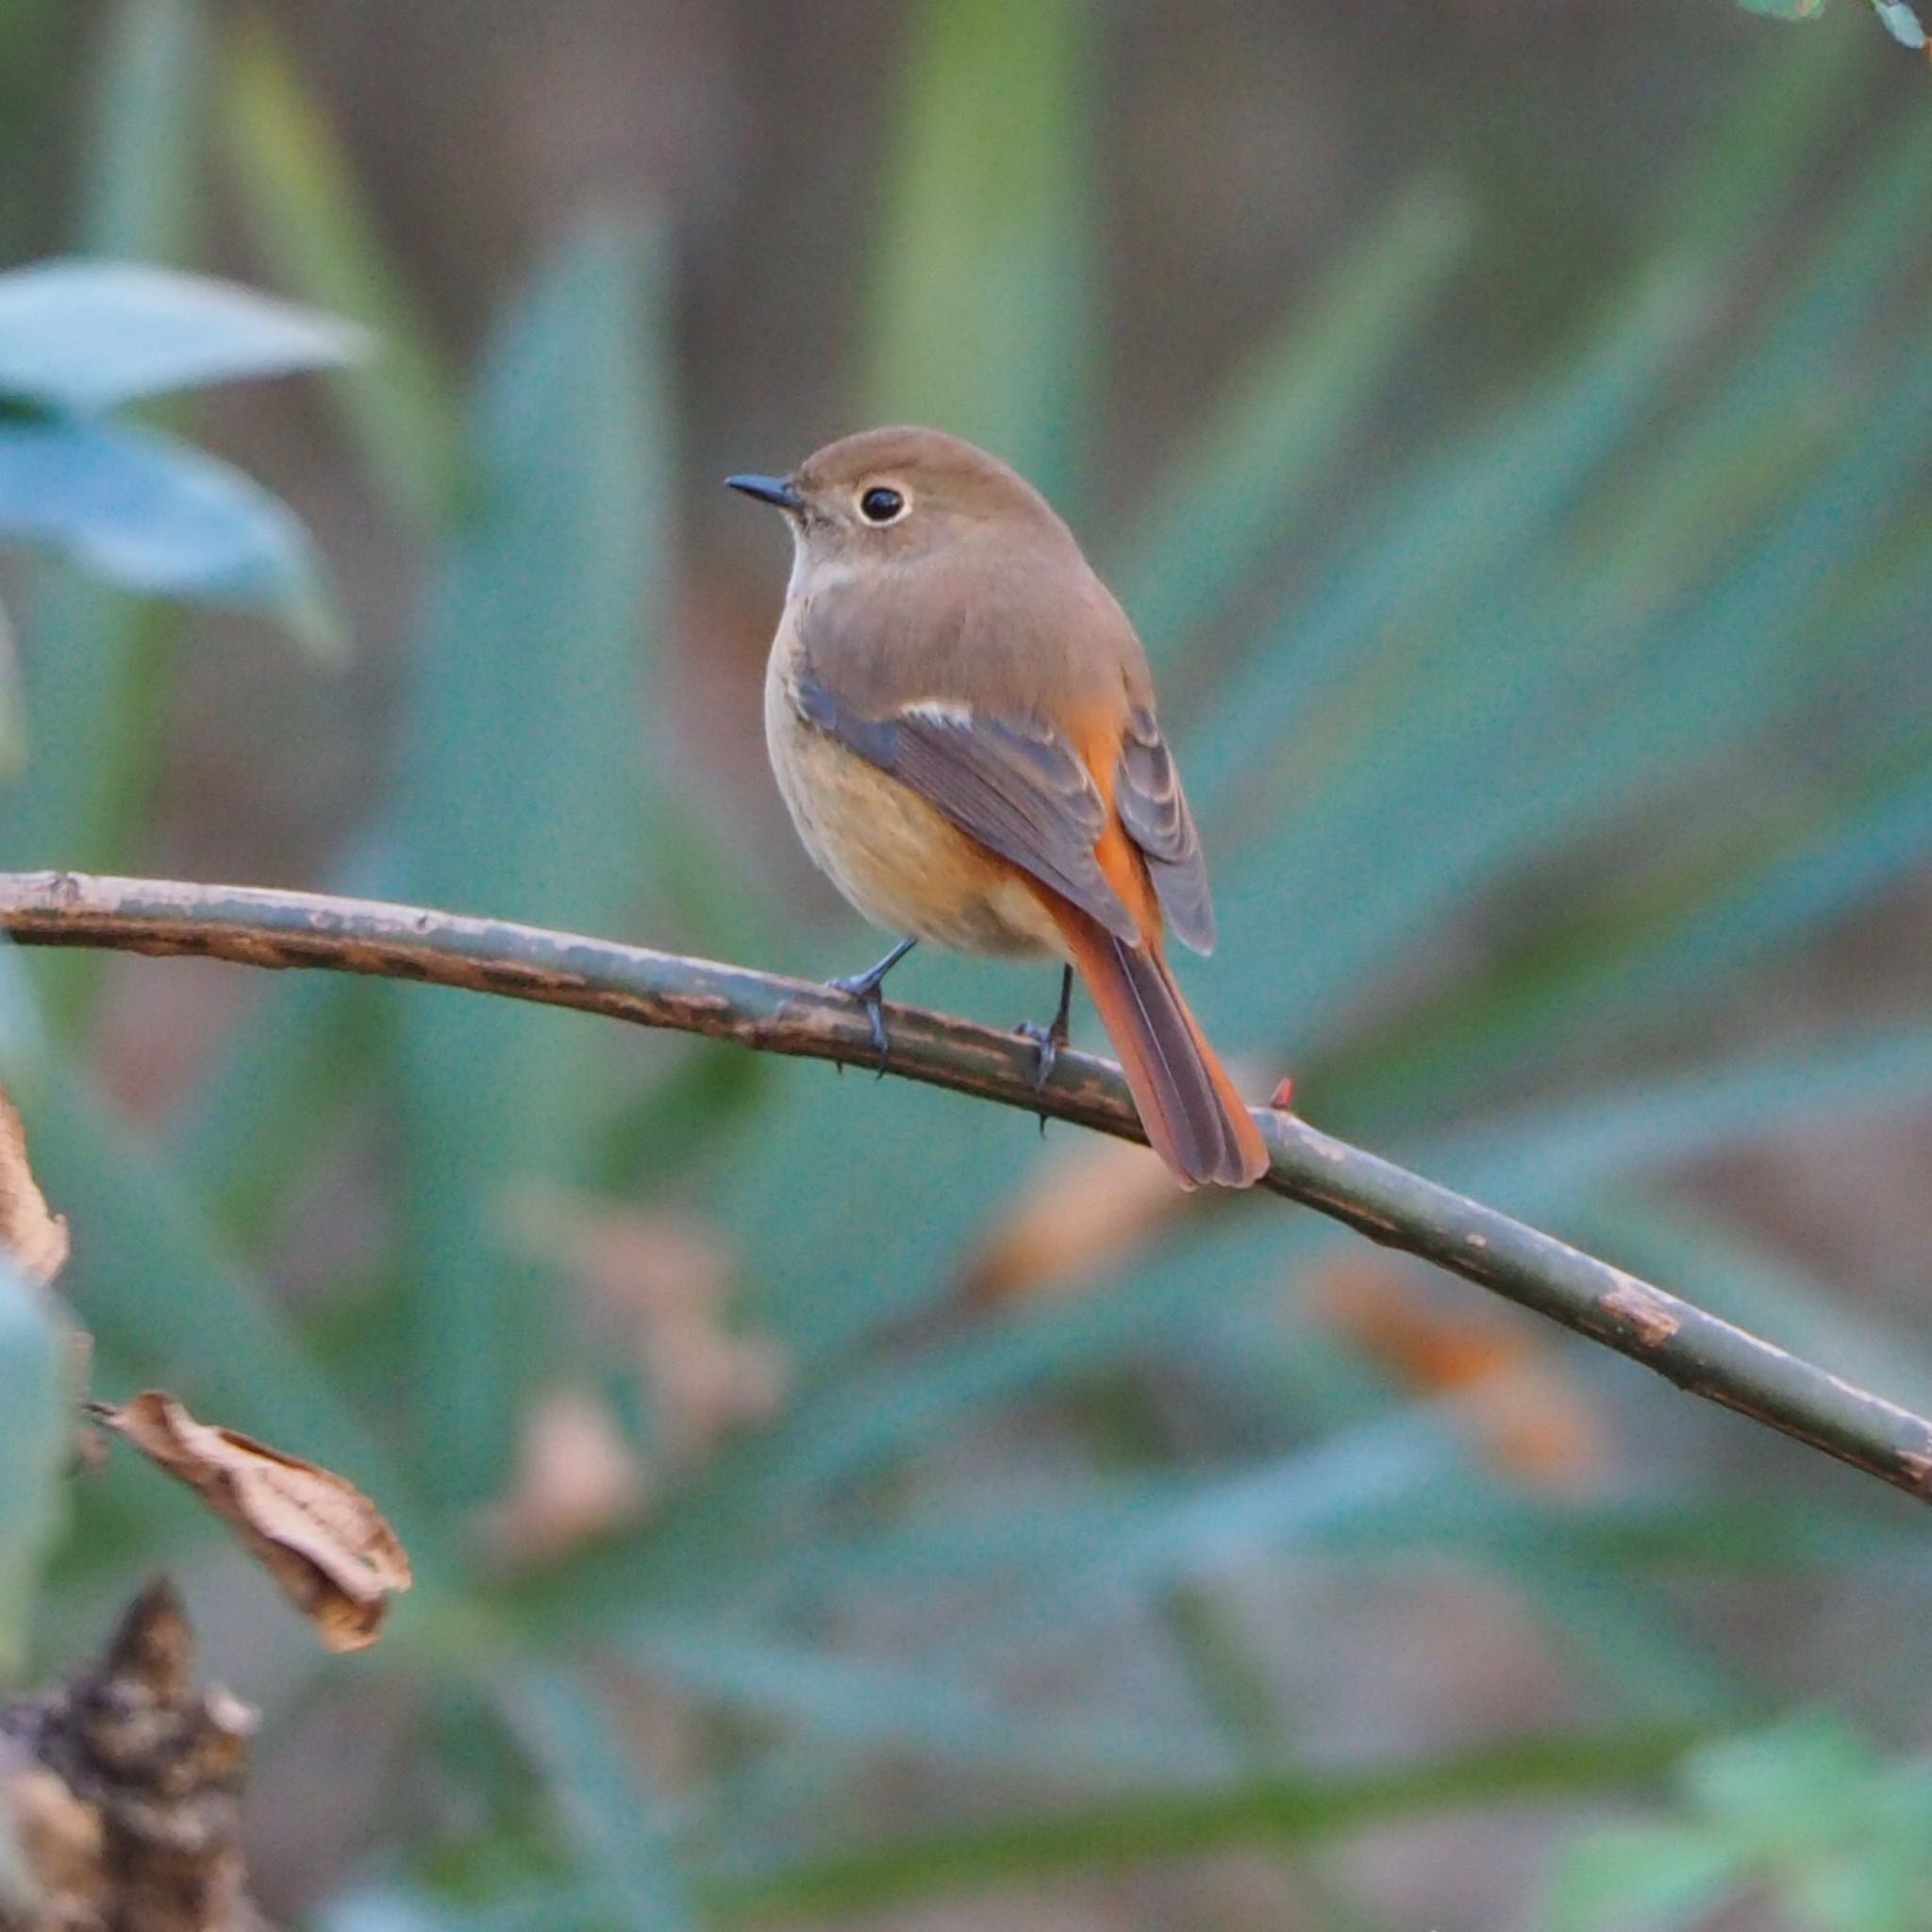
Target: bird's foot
1048	1041
864	987
865	990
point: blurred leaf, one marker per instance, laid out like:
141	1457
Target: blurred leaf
140	194
590	1766
1764	147
524	794
836	1699
159	1293
1896	16
1643	1878
981	287
1804	1812
150	514
1628	964
1264	1811
1902	23
96	665
309	223
86	337
35	1442
1225	501
256	1122
1461	529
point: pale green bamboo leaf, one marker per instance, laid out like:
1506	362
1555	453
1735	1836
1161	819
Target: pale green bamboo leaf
85	337
523	796
1225	500
95	666
153	515
1764	145
1641	1878
839	1701
308	219
1634	963
162	1294
980	303
620	1833
140	197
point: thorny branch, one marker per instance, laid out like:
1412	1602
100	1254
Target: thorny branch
1696	1350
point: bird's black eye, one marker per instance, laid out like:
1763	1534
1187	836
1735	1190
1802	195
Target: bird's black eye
880	505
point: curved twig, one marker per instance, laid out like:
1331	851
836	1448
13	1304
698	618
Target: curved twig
1696	1350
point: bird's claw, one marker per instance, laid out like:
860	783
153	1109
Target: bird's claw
864	987
1047	1041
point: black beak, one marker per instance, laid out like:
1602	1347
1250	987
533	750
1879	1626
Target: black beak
775	489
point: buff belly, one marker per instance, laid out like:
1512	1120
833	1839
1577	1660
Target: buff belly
903	865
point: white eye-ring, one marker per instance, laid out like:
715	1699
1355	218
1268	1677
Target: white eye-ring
879	503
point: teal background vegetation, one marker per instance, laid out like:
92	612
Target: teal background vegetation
1530	530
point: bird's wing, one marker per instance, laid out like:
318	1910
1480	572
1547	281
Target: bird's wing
1154	808
1015	785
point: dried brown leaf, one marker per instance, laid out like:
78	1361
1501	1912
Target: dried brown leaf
321	1539
30	1231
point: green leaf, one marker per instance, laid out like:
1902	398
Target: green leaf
844	1700
150	514
618	1826
96	668
86	337
1227	500
140	197
1112	1833
982	286
36	1436
1902	23
311	225
1786	9
168	1300
1645	1878
524	796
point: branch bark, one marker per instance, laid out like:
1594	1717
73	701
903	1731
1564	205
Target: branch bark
1696	1350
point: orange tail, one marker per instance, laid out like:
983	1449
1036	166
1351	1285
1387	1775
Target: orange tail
1195	1119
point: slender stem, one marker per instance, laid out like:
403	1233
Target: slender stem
1679	1340
1287	1810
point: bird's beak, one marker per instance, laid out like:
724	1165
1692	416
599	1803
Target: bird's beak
775	489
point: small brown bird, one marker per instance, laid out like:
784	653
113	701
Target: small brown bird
963	723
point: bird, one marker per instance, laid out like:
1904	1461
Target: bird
961	720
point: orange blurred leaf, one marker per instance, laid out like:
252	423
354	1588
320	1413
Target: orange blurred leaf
1535	1423
1082	1213
324	1543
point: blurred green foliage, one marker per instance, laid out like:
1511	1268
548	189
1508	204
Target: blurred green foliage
1804	1814
1898	17
1513	755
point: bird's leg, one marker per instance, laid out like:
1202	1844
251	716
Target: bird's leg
864	987
1049	1039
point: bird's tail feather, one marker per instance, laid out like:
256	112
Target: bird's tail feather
1195	1120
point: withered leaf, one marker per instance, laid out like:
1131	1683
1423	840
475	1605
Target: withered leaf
321	1539
30	1231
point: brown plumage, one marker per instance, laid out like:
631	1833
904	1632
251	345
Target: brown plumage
962	723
